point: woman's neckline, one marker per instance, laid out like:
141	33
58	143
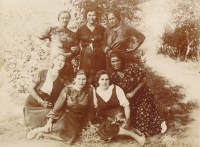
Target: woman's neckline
91	27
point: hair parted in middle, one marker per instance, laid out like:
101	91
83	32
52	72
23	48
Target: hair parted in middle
91	9
116	13
98	75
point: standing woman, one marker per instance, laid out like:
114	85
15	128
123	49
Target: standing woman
73	107
61	39
60	36
118	36
90	37
132	79
44	91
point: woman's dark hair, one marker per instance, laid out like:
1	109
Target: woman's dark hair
91	9
116	13
98	75
116	54
63	11
80	72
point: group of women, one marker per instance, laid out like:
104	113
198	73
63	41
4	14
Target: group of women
109	88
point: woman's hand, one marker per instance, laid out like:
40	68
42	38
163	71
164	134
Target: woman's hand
107	49
130	95
74	49
48	126
126	124
46	104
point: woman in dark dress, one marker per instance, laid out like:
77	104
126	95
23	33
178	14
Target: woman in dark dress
112	106
132	79
44	91
119	36
73	107
90	37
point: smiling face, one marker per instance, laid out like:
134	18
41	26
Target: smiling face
104	81
59	62
64	19
112	20
80	80
116	62
91	17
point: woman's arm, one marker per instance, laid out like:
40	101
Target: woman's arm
127	112
56	112
139	86
34	93
140	38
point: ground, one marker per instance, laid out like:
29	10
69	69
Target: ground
174	84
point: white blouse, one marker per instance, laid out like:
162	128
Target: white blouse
106	95
48	84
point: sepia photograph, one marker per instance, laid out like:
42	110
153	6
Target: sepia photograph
100	73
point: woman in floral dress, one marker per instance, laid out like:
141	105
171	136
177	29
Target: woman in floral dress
132	79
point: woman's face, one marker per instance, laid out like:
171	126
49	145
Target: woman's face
80	81
59	62
116	62
104	82
64	19
91	17
112	20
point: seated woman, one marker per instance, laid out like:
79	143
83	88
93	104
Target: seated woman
73	107
132	79
110	102
44	91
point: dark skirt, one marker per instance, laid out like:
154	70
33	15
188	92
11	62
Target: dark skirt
34	113
69	126
92	61
107	130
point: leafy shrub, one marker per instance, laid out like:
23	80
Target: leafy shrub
182	41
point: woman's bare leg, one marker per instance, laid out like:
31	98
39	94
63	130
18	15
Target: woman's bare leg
32	134
140	139
50	136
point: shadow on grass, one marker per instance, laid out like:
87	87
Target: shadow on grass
169	102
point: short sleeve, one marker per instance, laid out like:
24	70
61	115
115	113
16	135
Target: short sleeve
45	34
121	97
37	78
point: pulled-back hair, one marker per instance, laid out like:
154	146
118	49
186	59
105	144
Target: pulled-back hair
116	13
90	9
98	75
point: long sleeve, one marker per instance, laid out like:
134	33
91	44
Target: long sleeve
90	111
57	110
137	34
